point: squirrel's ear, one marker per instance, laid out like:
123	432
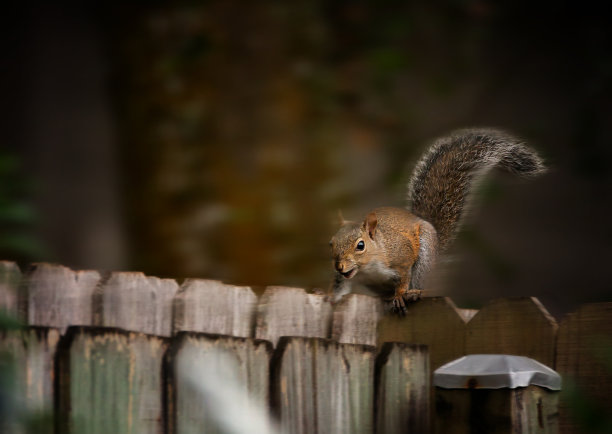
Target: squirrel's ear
341	218
370	224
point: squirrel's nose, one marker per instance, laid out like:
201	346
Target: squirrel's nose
339	266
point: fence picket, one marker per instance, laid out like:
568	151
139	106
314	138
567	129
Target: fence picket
321	386
434	322
584	359
110	380
56	296
402	389
286	311
217	381
355	319
29	354
212	307
135	302
520	326
524	410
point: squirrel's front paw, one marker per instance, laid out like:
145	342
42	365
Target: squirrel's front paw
397	305
398	302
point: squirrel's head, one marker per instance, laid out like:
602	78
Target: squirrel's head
352	244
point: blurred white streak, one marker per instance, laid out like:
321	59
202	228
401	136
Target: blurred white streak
228	408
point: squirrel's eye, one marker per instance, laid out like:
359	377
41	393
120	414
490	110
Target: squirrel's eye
360	246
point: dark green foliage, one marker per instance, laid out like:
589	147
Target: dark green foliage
17	217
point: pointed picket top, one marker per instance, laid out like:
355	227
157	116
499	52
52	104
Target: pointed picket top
56	296
210	306
432	321
135	302
355	319
519	325
284	311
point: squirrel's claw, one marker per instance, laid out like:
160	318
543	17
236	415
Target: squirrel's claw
398	302
398	306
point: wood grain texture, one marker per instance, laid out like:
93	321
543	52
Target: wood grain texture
57	296
321	386
286	311
10	279
110	380
135	302
29	355
355	319
216	381
535	410
525	410
434	322
519	326
212	307
402	389
584	360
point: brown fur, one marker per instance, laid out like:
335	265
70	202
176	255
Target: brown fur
401	245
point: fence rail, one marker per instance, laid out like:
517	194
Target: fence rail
105	351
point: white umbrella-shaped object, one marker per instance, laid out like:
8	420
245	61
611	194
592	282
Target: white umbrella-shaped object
495	371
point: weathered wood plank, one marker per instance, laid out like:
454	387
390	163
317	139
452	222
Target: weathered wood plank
57	296
525	410
212	307
355	319
10	279
432	321
110	380
321	386
402	389
584	359
215	382
520	326
135	302
536	410
286	311
29	355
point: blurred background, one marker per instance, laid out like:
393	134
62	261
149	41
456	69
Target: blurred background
218	139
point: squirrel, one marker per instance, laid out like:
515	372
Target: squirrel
392	250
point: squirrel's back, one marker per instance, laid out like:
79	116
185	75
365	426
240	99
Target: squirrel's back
439	190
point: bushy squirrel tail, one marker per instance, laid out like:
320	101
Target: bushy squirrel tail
445	177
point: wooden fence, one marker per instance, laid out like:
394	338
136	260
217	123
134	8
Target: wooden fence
103	353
